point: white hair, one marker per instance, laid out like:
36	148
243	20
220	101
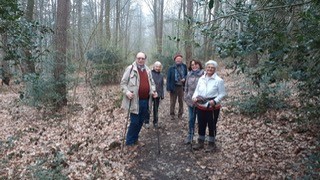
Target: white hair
212	62
157	63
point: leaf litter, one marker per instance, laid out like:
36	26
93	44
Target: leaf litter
84	141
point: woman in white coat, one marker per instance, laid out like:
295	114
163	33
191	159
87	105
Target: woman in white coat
209	92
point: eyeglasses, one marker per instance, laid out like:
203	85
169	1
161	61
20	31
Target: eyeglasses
140	58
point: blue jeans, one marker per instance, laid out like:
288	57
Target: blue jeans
192	120
136	122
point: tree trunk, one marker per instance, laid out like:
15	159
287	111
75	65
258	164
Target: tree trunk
28	66
158	23
206	14
5	73
160	31
188	31
61	43
100	23
117	28
181	10
211	47
79	37
107	20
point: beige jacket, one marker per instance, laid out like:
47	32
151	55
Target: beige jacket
133	86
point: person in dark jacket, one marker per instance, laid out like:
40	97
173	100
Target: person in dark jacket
176	77
159	82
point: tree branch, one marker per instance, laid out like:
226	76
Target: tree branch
262	9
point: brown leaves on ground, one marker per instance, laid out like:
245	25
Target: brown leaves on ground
84	142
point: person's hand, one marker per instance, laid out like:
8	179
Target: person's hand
194	99
155	94
130	95
183	80
214	104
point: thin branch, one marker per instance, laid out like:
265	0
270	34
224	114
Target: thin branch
262	9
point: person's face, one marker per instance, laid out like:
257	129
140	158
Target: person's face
210	69
194	66
157	68
141	59
178	60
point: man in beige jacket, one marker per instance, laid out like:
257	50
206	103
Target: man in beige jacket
139	88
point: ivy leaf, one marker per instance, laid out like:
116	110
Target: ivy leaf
211	2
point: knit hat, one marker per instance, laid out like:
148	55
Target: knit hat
177	55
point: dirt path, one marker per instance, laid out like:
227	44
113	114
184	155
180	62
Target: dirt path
246	148
176	160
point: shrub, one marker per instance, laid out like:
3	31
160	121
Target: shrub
266	96
107	66
49	167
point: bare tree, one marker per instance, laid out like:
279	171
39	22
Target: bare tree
157	10
188	32
60	43
107	19
28	66
79	31
216	9
100	22
5	73
117	23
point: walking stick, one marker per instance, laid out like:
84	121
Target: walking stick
192	130
126	124
125	127
155	116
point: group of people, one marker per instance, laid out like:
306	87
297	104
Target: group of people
201	89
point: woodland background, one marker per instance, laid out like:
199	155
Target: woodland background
52	51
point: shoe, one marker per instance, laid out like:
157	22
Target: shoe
131	148
147	126
211	147
139	143
188	140
199	146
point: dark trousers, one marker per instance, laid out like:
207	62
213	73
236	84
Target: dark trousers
136	122
210	119
178	93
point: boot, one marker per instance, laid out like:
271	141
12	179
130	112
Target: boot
199	146
188	139
211	147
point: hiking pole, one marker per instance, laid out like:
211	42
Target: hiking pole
192	129
125	127
155	117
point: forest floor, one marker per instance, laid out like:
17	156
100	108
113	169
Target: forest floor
84	140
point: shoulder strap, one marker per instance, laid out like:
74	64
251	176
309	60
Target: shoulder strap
129	74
